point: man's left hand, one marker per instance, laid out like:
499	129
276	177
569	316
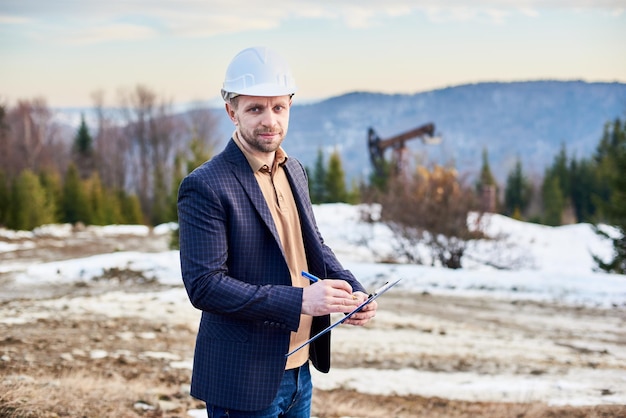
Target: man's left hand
364	315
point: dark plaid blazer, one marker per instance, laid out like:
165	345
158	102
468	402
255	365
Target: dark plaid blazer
235	272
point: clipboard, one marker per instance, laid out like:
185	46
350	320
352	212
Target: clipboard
371	298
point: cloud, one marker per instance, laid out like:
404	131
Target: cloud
99	21
183	24
113	32
13	20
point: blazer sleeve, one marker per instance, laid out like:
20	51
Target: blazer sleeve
212	238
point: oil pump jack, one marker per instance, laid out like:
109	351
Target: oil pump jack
378	146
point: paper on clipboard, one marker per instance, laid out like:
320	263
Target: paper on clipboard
371	298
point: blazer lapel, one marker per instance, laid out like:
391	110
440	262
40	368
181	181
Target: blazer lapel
242	171
310	234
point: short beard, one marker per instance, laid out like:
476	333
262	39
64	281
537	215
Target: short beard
260	146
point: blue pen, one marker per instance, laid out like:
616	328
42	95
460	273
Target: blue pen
311	277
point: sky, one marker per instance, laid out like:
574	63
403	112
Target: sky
65	50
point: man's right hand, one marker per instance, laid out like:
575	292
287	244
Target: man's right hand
328	296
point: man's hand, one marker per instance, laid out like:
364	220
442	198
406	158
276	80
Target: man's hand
332	296
329	296
363	316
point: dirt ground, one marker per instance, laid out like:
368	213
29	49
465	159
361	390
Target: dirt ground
61	356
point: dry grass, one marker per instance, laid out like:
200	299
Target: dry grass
343	403
77	394
82	395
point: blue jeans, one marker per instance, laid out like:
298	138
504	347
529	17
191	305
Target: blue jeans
293	399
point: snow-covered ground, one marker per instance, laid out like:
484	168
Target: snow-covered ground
543	264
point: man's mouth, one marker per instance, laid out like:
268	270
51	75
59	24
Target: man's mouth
268	134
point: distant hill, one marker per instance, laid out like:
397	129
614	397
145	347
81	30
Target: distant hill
527	119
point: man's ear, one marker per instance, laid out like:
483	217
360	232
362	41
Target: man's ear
231	113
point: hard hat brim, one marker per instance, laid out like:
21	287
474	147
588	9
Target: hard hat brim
261	90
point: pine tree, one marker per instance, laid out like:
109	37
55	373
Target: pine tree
614	209
317	181
584	184
51	183
83	142
112	208
96	197
160	210
82	150
517	193
380	180
553	201
556	190
487	186
335	180
5	198
74	202
486	177
354	194
30	206
131	209
561	171
613	137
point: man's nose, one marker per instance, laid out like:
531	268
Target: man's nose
268	119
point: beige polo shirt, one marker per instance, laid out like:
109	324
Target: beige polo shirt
277	192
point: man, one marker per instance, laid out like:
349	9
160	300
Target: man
247	231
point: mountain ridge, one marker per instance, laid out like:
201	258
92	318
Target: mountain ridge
529	119
526	119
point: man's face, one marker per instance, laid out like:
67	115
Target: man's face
262	121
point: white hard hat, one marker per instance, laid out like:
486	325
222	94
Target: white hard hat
258	71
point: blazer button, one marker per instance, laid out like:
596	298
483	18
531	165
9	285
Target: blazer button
266	323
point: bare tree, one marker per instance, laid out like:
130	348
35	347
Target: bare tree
153	132
141	144
111	146
138	109
201	126
431	209
5	147
32	140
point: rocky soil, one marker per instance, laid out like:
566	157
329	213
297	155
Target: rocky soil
121	346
